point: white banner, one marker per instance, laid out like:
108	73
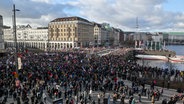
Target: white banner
19	63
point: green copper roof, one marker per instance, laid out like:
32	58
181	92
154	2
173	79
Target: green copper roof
176	33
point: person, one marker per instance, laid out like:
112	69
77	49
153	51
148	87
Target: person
44	97
164	101
14	96
163	84
130	100
18	100
93	102
152	99
139	97
148	93
26	100
171	101
133	101
32	99
98	98
168	84
71	101
123	98
162	91
40	102
47	67
114	98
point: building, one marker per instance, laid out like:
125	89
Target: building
1	33
157	37
175	37
70	32
100	34
118	37
27	37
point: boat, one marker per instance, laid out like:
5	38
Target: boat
151	57
176	59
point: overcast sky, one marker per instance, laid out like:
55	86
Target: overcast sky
153	15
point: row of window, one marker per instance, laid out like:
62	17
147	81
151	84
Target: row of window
62	39
31	32
62	26
63	30
63	34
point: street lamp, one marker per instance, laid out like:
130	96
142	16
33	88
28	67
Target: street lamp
15	37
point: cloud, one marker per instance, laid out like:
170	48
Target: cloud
42	1
123	13
33	10
119	13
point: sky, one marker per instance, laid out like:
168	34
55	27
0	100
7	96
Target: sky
153	15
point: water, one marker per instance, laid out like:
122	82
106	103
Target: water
179	49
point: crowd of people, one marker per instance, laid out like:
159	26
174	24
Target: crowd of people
73	76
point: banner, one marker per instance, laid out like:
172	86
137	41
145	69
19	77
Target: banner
135	43
140	43
17	83
19	63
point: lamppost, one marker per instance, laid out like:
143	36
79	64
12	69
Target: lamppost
15	37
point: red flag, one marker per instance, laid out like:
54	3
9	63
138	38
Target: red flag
26	50
19	55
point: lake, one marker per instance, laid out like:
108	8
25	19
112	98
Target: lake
179	49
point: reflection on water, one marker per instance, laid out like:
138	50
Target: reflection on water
161	64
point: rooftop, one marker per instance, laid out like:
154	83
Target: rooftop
176	33
69	19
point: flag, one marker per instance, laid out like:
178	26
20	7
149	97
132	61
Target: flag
140	43
15	74
135	43
19	63
66	57
19	55
26	50
17	83
30	75
83	69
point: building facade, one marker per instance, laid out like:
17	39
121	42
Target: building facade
1	33
27	37
100	34
97	34
70	32
64	33
176	37
113	36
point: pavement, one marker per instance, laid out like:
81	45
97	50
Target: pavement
167	93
